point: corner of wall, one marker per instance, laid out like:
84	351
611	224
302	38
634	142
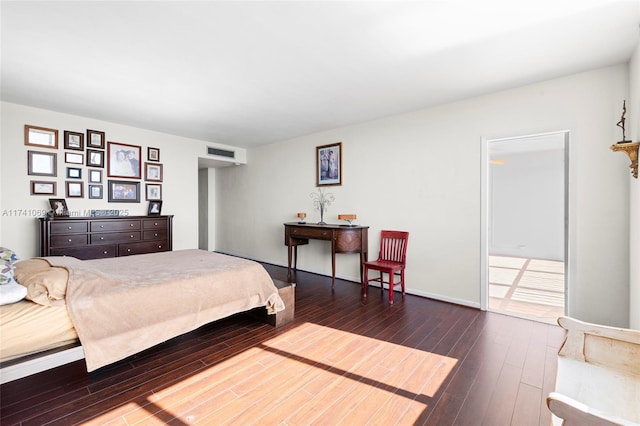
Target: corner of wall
634	193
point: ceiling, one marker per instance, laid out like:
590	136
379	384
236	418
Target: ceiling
251	73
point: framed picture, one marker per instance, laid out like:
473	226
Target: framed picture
73	158
122	191
153	154
73	140
95	158
153	172
74	173
95	139
41	163
154	191
40	136
95	191
43	188
59	206
154	208
123	160
74	189
95	176
329	164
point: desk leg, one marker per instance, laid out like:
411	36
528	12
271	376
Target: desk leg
333	263
295	258
290	251
363	258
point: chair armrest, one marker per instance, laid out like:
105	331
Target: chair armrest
614	333
610	347
576	413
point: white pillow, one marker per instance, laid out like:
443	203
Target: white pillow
12	293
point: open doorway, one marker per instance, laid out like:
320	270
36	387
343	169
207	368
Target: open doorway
525	226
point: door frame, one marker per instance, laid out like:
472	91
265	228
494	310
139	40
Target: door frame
569	218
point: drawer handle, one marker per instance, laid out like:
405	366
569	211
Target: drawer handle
105	252
69	227
155	224
131	225
155	235
102	238
159	247
69	239
131	236
101	226
129	250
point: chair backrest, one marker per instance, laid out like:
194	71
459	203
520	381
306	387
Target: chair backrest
393	246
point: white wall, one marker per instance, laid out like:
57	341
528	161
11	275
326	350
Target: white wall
179	156
527	204
633	122
420	172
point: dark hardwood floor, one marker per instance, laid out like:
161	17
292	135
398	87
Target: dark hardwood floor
343	361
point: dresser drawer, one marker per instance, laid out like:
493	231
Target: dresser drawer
154	224
70	227
115	237
69	240
115	225
86	252
315	233
158	234
143	247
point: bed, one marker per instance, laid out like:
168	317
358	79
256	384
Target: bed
120	306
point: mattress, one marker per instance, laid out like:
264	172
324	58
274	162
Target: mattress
23	332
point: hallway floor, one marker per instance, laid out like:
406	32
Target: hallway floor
528	288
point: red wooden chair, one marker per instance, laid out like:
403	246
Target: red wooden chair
391	261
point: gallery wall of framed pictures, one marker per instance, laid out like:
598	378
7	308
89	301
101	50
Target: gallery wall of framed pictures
95	168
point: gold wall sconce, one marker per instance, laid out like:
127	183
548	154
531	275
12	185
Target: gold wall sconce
631	148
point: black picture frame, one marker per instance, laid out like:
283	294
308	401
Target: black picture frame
74	173
73	140
95	139
59	207
154	208
96	191
95	158
153	154
329	164
123	191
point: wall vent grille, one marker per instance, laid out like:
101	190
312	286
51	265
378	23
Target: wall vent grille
221	152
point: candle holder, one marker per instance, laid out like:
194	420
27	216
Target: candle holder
302	217
321	201
348	217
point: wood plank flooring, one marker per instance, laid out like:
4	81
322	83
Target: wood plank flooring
343	361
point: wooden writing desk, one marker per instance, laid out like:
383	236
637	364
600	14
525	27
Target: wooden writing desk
344	239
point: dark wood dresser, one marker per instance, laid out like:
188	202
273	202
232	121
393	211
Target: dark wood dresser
100	237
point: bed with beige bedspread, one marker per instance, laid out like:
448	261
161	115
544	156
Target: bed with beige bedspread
121	306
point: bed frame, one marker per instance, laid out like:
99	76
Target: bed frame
32	364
